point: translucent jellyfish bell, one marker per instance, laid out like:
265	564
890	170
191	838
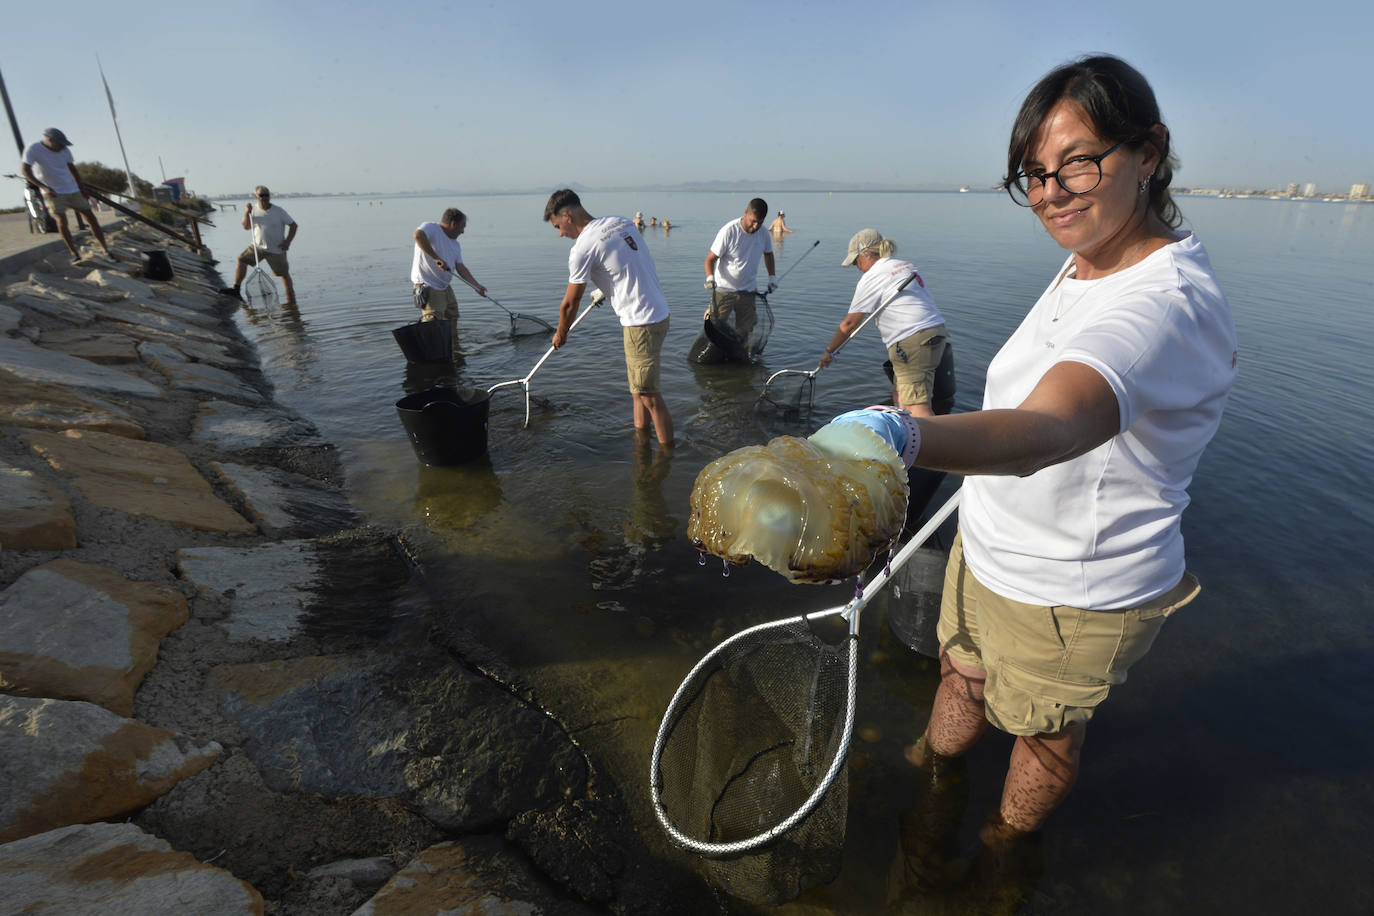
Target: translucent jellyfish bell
812	509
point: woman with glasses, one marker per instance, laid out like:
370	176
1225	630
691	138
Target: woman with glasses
1095	414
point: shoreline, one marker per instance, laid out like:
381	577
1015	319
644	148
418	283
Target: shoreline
183	580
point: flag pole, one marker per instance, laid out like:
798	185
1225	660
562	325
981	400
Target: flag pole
128	173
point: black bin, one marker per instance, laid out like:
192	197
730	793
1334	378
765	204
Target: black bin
426	341
446	425
158	266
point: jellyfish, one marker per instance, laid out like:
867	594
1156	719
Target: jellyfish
813	510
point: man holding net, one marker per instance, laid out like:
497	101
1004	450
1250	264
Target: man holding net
273	229
732	268
609	252
438	256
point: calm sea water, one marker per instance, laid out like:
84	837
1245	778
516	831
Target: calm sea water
1231	774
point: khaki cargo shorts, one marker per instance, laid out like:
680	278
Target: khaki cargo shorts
275	259
643	344
73	201
1047	667
435	304
914	361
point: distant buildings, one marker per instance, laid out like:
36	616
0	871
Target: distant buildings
1359	191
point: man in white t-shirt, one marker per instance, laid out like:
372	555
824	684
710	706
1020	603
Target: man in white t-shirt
48	164
610	253
732	268
438	256
273	229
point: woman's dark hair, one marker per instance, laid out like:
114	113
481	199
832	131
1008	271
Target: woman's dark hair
1119	104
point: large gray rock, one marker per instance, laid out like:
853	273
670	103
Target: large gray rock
57	289
70	311
37	364
109	279
108	869
33	515
10	319
459	749
64	762
77	631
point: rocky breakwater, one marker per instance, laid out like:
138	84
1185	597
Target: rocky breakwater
217	689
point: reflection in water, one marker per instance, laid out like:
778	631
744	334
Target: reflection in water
648	526
437	374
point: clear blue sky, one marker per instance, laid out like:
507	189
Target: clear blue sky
348	96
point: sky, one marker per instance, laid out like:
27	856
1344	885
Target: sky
363	97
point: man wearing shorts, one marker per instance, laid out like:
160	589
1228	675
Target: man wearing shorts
273	229
609	252
438	256
49	165
732	267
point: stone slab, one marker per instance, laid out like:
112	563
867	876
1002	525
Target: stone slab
78	631
39	365
39	406
10	318
144	479
71	311
235	428
33	515
186	375
101	347
268	588
65	762
288	505
109	869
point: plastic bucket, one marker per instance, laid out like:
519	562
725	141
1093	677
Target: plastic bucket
445	425
158	265
426	341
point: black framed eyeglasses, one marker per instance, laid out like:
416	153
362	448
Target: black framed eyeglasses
1078	175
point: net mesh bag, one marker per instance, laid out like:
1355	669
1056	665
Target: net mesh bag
754	736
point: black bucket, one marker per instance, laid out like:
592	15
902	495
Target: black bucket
445	425
158	265
426	341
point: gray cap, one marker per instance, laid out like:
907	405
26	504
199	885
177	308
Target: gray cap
863	240
52	133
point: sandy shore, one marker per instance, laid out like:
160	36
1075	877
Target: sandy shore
191	680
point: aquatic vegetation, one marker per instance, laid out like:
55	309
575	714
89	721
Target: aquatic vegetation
813	510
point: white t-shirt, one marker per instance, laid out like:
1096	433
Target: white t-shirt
610	253
740	253
269	226
910	311
1102	531
50	167
422	266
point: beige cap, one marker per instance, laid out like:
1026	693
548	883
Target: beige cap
863	240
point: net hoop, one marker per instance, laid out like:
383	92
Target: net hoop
670	717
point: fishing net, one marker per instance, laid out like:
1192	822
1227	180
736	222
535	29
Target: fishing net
790	393
735	328
525	325
259	288
756	732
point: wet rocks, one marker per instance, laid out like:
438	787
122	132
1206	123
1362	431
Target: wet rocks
459	749
115	868
64	762
33	515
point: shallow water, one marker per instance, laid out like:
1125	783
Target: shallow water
1231	774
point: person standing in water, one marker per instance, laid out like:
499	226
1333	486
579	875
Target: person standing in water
779	225
273	230
437	257
732	267
609	252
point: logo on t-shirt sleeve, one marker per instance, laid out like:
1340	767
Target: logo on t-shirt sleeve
630	241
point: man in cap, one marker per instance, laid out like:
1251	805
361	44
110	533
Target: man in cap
273	229
438	256
732	267
49	165
609	252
